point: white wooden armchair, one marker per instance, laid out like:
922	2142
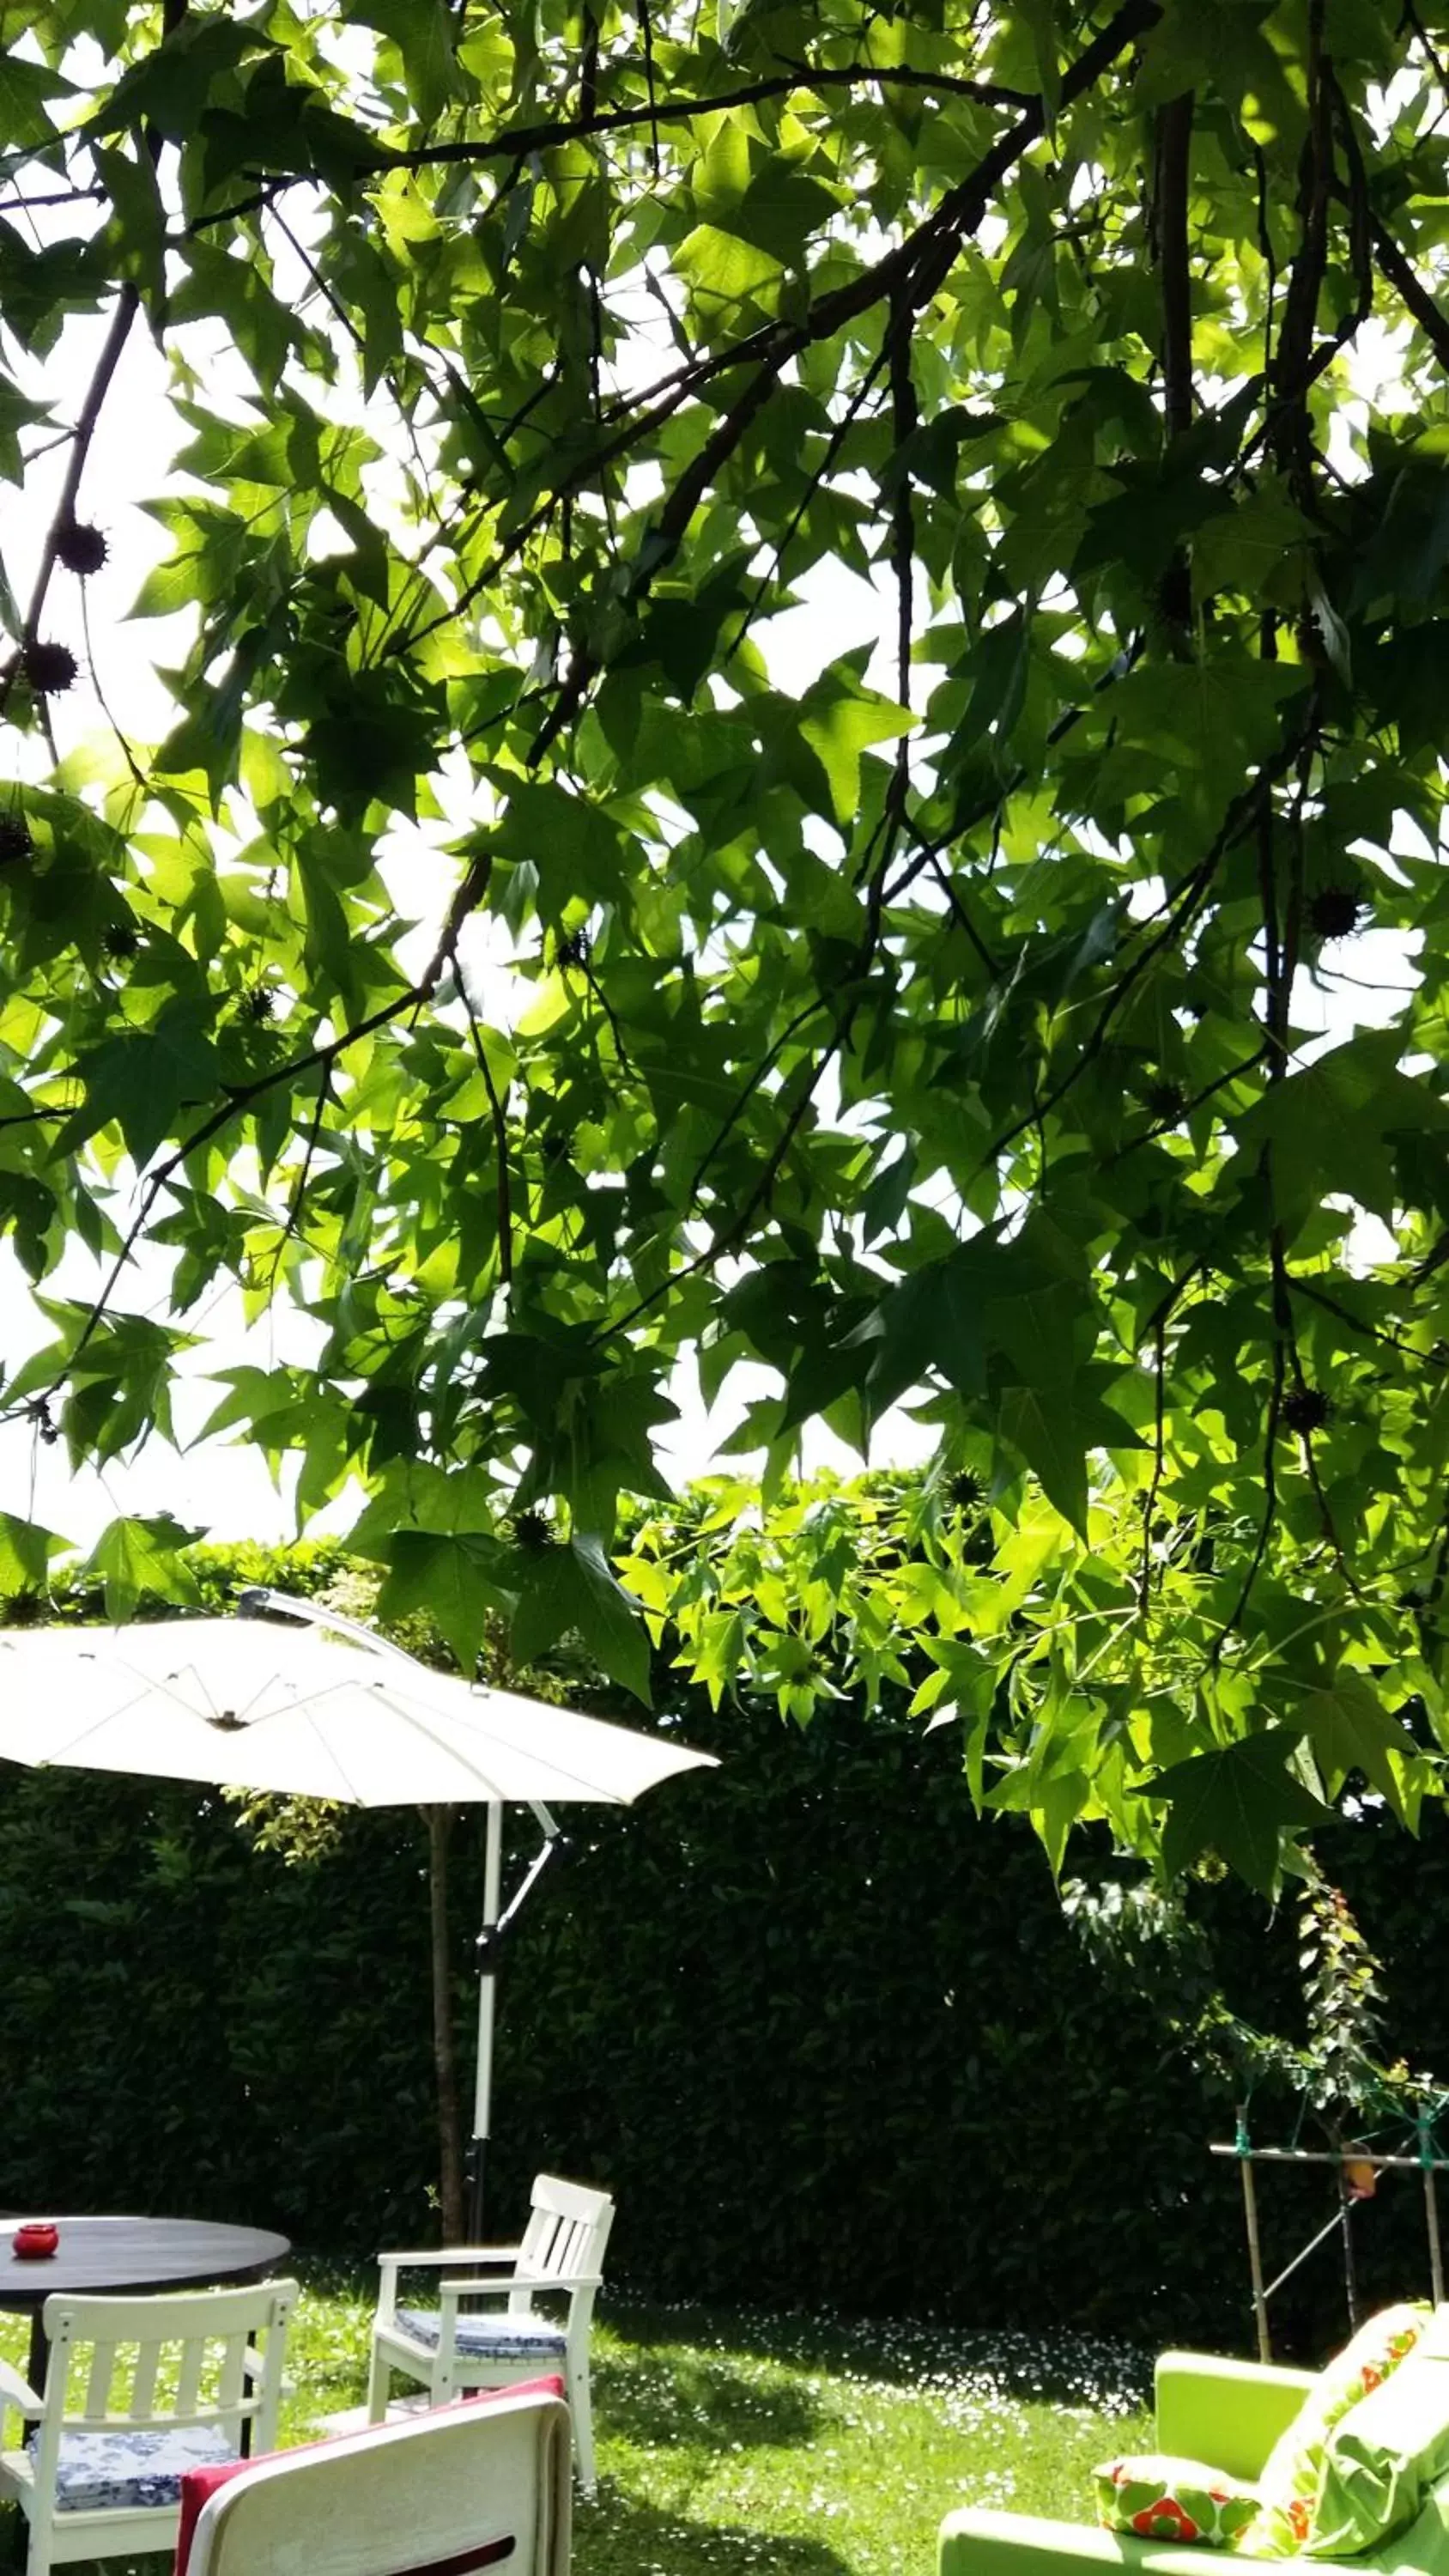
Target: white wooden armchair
137	2392
454	2346
443	2495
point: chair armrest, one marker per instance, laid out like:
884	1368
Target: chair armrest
536	2281
978	2542
415	2258
1229	2413
17	2392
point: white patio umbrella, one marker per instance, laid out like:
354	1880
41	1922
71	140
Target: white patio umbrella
244	1703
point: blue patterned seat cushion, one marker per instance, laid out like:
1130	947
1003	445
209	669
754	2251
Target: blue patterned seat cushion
499	2337
129	2472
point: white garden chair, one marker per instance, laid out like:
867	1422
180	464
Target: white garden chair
137	2391
454	2347
441	2495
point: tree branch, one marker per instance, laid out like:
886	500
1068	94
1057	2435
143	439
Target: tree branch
906	277
1174	146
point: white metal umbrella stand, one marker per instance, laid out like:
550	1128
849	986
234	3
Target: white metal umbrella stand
495	1928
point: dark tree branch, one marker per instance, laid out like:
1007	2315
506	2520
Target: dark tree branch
906	278
1293	366
500	1130
1396	268
1317	1296
298	1198
128	305
1159	1457
1174	150
240	1096
1270	1504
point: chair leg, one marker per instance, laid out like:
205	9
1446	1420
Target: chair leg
581	2409
377	2383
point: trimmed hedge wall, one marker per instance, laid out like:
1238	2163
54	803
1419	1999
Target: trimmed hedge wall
825	2032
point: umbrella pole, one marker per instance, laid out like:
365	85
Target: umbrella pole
487	1985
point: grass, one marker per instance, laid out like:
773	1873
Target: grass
734	2443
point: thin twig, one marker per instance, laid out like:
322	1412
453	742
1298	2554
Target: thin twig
496	1111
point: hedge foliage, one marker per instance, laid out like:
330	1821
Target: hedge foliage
825	2032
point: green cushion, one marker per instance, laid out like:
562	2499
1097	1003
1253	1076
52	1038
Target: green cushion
1382	2460
1160	2498
1294	2470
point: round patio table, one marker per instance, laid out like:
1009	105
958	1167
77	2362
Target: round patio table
130	2254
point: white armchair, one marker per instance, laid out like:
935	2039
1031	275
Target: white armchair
462	2344
137	2392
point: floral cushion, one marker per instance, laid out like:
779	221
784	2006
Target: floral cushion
132	2472
1163	2499
1293	2474
499	2337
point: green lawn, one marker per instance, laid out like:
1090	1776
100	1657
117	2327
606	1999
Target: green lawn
812	2449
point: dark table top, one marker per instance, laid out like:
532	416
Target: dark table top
136	2254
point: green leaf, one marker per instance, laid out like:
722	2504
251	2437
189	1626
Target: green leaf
422	31
1350	1730
170	87
839	726
458	1579
1331	1126
570	1587
26	1550
26	92
142	1083
1238	1802
138	1557
1046	1439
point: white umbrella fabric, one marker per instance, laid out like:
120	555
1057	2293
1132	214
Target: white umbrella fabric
243	1703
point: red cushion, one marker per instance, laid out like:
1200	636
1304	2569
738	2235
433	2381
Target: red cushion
199	2485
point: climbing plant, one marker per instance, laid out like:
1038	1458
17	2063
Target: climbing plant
1014	984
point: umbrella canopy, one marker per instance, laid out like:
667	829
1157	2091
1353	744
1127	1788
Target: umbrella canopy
244	1704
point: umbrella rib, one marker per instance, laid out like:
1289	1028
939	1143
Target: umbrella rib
585	1790
141	1685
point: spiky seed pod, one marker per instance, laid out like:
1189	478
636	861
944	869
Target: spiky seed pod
1167	1100
80	548
1334	911
16	844
574	949
964	1489
50	668
1307	1409
532	1532
259	1002
120	941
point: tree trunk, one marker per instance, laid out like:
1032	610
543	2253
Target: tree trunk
445	2054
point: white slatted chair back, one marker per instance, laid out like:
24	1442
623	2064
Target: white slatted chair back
136	2391
568	2229
470	2488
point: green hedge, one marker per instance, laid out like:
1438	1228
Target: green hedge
825	2032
